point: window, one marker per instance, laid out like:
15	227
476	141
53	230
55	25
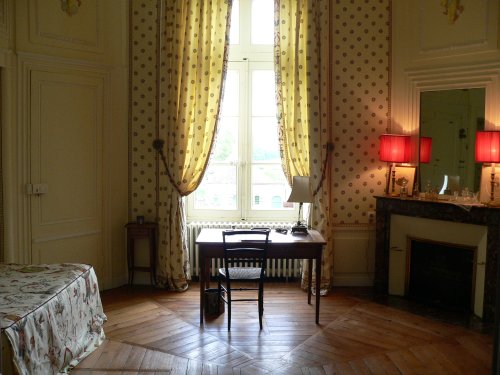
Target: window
244	179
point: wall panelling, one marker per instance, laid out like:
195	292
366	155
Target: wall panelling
50	25
64	124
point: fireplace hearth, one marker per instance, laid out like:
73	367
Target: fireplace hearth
441	275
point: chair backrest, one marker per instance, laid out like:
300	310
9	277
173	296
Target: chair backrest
245	248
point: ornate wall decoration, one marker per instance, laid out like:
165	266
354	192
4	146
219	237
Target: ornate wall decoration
453	9
71	6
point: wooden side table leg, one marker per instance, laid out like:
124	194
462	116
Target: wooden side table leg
318	285
309	282
202	287
152	257
131	260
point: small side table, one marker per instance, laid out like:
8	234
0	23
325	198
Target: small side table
149	231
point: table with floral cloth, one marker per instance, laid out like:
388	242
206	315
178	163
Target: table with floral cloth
51	315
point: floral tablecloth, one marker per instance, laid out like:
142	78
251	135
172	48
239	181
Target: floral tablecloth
52	315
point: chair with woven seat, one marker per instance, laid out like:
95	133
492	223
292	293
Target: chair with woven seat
245	255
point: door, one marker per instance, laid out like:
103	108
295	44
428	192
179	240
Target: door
66	120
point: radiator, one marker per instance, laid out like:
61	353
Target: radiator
276	268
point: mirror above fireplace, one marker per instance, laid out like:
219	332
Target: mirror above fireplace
451	118
478	83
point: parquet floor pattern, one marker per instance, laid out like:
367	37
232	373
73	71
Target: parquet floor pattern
150	331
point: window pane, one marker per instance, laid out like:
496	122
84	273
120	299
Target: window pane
263	93
262	22
218	189
265	144
231	95
234	30
226	143
269	188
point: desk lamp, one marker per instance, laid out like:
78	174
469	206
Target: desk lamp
394	149
488	151
301	193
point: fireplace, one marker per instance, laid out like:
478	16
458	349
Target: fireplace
441	274
474	226
451	237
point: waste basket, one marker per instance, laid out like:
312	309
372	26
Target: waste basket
212	307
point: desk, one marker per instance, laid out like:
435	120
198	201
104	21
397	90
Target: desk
281	246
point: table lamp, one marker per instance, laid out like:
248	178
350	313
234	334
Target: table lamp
301	193
488	151
394	149
425	149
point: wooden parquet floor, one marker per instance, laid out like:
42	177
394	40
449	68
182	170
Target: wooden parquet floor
151	331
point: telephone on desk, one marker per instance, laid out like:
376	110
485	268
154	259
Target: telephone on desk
299	229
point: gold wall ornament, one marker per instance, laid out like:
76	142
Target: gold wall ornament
453	9
70	6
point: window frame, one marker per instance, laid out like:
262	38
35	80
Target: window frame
245	58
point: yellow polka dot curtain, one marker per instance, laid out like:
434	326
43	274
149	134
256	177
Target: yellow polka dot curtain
302	75
192	58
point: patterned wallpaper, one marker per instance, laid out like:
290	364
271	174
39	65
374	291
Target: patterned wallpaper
360	73
360	105
142	130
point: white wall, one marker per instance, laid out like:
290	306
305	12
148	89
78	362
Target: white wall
354	255
430	53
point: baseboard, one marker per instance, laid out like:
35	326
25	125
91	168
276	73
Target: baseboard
113	282
353	280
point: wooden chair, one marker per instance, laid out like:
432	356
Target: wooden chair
245	255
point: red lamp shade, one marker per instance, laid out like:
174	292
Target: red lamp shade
488	147
395	148
425	149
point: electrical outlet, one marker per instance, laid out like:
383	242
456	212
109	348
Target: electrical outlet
371	217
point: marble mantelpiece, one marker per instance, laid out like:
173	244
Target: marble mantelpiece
438	210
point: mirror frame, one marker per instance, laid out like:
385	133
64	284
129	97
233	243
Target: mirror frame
485	76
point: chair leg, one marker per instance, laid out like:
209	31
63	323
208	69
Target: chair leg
228	298
261	304
219	291
260	316
262	297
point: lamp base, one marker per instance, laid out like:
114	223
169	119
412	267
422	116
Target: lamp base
299	229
